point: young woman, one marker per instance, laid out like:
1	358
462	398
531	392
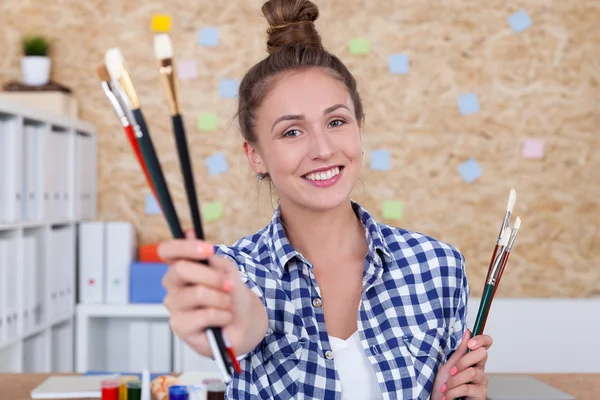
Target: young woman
324	302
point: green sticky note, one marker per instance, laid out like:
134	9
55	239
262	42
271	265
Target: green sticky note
212	211
359	46
208	122
392	209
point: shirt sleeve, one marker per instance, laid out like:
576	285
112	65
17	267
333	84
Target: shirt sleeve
461	296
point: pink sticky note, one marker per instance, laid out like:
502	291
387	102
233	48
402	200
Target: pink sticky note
187	69
533	148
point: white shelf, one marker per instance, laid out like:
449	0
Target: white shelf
122	311
47	186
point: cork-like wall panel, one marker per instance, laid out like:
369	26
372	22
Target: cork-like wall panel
541	83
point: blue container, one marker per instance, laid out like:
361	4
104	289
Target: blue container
145	282
178	392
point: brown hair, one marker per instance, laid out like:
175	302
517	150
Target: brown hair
293	45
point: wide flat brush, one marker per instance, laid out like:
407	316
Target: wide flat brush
163	50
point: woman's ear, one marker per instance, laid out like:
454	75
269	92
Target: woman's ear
254	158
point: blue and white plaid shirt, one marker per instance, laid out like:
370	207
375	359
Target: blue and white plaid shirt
412	314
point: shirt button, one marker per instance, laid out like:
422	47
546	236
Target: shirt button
317	302
329	355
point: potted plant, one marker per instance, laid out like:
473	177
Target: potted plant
35	63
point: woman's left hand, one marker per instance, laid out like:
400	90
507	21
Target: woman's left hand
463	374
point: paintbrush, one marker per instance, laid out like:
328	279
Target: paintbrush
114	98
512	198
163	50
115	64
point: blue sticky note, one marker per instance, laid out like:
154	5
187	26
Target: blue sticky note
216	164
398	64
228	88
519	21
468	103
470	170
380	160
151	206
208	37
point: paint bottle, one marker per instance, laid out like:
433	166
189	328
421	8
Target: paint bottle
215	390
134	390
110	389
178	392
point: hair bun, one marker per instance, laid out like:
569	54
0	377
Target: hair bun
291	24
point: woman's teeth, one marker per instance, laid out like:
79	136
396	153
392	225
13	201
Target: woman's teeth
323	175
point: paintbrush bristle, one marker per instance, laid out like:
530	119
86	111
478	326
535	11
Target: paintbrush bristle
113	59
512	199
505	237
103	73
517	224
163	48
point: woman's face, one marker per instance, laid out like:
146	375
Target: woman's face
309	140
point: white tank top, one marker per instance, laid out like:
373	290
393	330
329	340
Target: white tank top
354	369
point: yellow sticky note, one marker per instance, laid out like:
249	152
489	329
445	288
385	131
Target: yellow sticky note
392	209
208	122
212	211
359	46
161	23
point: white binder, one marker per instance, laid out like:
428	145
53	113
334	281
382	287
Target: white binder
12	292
11	158
120	250
91	262
3	277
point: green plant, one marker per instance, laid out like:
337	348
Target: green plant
36	45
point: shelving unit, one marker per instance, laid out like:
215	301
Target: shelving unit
47	186
128	337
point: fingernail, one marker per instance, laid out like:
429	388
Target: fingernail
472	343
453	371
228	286
465	334
443	389
204	249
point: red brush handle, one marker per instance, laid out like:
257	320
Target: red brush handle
138	154
502	265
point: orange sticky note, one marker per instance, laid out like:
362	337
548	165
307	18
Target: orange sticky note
161	23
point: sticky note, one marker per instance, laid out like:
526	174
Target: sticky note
533	148
519	21
470	170
208	122
380	160
392	209
228	88
161	23
208	37
216	164
398	64
468	104
151	206
359	46
212	211
187	69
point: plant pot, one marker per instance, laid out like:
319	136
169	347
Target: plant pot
36	70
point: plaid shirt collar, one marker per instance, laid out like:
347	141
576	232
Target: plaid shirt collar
282	251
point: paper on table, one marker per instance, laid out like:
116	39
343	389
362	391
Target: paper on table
71	387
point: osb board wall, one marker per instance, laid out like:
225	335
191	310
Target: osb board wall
542	84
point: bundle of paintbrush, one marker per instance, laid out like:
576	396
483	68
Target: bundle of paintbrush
504	244
121	92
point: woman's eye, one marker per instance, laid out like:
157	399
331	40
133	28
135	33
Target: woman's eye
292	133
336	122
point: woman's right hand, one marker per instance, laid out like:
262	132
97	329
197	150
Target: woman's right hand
201	296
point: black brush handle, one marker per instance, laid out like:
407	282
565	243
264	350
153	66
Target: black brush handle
190	188
156	174
188	174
